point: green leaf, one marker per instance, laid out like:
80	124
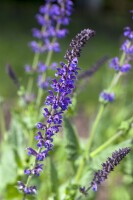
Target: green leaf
120	193
72	107
17	141
8	167
53	178
71	141
11	193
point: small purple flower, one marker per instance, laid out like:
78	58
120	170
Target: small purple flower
37	169
128	32
27	190
41	126
61	33
30	190
21	185
53	66
41	67
27	171
36	33
35	47
114	63
31	151
28	68
107	97
125	68
127	47
44	84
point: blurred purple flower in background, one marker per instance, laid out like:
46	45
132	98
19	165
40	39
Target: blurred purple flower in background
121	65
52	18
107	97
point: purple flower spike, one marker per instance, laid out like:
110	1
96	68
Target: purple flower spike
57	103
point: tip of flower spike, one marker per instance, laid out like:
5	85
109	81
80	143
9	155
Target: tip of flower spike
77	43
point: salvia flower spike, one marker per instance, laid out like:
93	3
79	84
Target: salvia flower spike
57	102
101	175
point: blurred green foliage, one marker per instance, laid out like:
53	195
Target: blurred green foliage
16	21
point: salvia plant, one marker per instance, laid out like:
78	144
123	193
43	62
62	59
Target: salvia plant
42	154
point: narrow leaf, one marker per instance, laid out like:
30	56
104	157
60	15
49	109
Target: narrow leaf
53	178
71	141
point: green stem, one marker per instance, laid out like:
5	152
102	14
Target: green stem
93	131
106	144
89	144
40	91
34	66
114	81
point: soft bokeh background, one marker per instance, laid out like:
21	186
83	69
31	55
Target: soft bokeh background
108	18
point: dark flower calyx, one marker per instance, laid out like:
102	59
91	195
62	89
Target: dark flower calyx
77	43
108	166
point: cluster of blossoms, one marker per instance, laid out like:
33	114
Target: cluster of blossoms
57	102
52	18
121	65
108	166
